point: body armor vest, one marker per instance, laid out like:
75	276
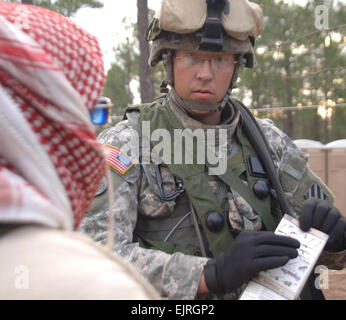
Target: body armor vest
177	232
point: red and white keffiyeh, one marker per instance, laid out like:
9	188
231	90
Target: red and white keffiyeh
51	74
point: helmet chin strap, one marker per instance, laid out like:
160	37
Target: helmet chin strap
192	106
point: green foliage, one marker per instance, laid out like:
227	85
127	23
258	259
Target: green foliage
66	7
126	69
299	64
118	89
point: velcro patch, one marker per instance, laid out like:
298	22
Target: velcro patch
296	174
316	192
117	160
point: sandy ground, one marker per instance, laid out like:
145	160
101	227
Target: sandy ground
337	285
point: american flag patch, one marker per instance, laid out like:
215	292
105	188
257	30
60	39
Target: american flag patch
117	160
316	192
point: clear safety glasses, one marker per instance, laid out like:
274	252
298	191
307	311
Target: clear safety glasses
217	62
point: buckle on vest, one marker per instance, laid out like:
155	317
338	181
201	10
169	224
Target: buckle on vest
168	197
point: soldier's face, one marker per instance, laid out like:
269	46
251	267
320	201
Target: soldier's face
202	76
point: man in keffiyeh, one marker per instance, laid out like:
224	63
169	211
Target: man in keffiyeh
51	74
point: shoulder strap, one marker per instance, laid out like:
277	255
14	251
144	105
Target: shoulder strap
260	144
140	107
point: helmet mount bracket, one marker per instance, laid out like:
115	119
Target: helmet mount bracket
212	32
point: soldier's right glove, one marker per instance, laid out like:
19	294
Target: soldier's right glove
250	253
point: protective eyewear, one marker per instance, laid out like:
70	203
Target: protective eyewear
218	63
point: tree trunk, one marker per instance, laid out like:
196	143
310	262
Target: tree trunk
27	1
146	86
288	122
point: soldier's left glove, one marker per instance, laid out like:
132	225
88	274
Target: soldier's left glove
323	216
250	253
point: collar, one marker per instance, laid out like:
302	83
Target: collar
229	120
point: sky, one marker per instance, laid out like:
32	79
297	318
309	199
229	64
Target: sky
106	23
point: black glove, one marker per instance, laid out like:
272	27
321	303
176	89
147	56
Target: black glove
321	215
250	253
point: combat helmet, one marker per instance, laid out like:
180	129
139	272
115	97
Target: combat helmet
211	25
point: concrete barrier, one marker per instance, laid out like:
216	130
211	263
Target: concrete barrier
329	163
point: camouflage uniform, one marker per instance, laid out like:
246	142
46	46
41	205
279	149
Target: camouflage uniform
177	276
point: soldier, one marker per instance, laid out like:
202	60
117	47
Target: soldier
51	73
189	230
